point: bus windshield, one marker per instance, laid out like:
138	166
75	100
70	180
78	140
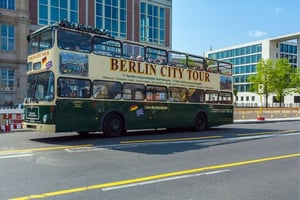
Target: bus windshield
40	86
41	41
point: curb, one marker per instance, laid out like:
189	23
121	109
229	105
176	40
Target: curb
249	121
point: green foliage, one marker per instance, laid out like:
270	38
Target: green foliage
281	80
263	76
295	80
277	77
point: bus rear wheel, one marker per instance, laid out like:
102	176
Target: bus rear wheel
113	125
200	122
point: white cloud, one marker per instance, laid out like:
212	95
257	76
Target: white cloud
257	33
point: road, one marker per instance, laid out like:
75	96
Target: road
239	161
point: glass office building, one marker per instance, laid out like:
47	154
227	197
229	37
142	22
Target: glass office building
137	20
245	58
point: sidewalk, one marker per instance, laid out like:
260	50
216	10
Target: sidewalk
241	121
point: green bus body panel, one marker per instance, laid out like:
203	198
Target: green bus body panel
35	114
87	115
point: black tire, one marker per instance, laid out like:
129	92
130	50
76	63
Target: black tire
200	122
113	125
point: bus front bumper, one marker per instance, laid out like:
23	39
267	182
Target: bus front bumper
38	127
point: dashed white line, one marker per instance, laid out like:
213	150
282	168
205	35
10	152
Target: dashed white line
19	155
165	179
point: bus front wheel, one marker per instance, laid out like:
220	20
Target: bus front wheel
200	122
113	125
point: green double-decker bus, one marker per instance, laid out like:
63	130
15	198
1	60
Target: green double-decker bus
82	80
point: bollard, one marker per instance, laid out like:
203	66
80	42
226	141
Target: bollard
7	125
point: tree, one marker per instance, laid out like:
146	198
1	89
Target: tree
281	81
264	75
278	77
295	80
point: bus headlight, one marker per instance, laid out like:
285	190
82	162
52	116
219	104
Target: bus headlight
45	117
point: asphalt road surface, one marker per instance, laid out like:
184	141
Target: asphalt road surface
239	161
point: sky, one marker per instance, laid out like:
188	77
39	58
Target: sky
198	25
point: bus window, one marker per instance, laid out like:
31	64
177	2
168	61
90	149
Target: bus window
225	97
29	66
196	95
225	68
133	91
176	59
106	90
106	47
212	66
196	63
75	41
177	94
37	65
76	88
156	93
46	40
158	56
40	86
211	96
133	51
41	41
85	88
100	90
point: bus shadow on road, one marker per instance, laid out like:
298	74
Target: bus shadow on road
164	142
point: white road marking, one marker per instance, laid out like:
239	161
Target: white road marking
19	155
164	180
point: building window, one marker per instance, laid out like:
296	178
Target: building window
7	37
7	4
152	24
7	79
112	16
51	11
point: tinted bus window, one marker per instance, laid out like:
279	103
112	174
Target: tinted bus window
212	66
225	97
225	68
106	47
158	56
196	95
75	88
42	41
211	96
29	66
176	59
177	94
106	90
74	41
196	63
133	51
133	91
156	93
